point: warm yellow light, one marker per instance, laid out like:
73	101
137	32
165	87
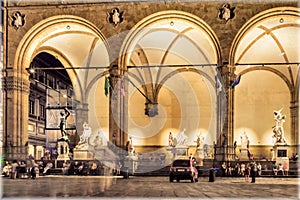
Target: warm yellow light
31	71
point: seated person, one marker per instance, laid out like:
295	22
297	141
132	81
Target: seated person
275	168
280	169
285	169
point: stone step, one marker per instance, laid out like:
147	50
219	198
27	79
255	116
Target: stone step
55	171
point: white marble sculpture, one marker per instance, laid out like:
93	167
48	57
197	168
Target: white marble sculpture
84	138
200	141
244	141
181	139
278	131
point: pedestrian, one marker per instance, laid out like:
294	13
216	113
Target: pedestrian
22	170
6	171
274	167
33	172
280	169
49	165
66	167
119	166
14	168
243	167
223	169
37	170
93	169
253	171
247	172
259	169
286	169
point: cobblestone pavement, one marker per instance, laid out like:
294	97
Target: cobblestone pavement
53	187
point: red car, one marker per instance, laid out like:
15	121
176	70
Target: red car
183	169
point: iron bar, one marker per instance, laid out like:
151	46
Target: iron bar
267	64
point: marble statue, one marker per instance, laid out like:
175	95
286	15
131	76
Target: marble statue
129	146
181	138
244	141
199	141
171	140
278	131
84	138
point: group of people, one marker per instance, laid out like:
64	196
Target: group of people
82	168
22	169
243	169
280	169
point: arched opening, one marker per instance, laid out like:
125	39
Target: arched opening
76	49
265	54
50	91
171	58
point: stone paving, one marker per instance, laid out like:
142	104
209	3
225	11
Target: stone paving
98	187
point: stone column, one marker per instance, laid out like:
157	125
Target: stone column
15	132
228	128
294	110
117	111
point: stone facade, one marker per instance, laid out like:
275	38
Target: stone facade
15	78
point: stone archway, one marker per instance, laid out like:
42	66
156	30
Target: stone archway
59	36
150	61
266	46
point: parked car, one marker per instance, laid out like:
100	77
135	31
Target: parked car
183	169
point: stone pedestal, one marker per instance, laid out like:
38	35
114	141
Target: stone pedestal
82	154
131	162
200	155
63	149
244	155
178	151
280	153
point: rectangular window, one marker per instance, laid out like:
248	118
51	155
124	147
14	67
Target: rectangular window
41	76
31	107
42	111
50	81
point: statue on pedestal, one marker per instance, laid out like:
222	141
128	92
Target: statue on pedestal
244	149
278	131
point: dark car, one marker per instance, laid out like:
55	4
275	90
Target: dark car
183	169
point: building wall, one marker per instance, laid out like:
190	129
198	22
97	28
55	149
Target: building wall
134	12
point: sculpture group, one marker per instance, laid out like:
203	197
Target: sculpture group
179	140
278	132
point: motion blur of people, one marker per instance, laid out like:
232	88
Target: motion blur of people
14	167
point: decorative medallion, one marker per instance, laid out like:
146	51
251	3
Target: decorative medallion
18	20
115	17
226	12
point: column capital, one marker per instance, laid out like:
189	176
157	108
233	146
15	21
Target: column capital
15	80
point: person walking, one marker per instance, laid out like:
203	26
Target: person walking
253	171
